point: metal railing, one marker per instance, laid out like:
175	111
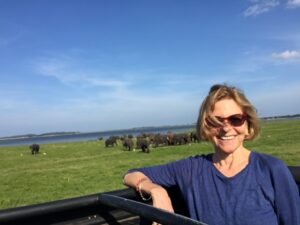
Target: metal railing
147	211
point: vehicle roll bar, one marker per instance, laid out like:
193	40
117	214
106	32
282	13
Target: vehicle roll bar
147	211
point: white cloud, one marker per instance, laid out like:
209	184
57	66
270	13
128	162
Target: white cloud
286	55
260	7
263	6
65	70
292	38
293	3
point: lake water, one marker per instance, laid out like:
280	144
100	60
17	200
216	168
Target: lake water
89	136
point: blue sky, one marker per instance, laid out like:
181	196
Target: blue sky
111	64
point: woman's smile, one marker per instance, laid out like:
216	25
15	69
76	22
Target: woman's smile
231	137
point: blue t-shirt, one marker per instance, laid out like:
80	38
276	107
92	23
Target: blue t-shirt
263	193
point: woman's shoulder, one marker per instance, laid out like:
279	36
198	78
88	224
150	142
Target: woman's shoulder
267	162
265	157
200	158
195	161
199	161
191	164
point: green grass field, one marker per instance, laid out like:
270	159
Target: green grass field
68	170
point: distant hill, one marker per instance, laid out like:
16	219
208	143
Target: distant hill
39	135
281	117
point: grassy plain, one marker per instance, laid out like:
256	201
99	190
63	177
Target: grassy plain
66	170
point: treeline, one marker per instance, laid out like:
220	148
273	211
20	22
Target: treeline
281	117
40	135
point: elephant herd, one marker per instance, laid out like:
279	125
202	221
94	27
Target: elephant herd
144	141
129	143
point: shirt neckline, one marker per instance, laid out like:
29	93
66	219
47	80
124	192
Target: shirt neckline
221	175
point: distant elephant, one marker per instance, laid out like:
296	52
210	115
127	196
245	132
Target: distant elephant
186	138
143	143
111	141
35	148
160	140
194	137
179	139
128	144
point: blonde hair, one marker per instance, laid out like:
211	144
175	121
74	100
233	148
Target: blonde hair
219	92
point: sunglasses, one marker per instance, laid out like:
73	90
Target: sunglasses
235	120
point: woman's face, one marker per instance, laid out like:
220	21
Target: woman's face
228	138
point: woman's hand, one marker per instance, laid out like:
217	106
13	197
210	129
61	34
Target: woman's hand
160	197
161	200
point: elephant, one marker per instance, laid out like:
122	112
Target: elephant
160	140
179	139
194	137
35	148
143	143
128	144
111	141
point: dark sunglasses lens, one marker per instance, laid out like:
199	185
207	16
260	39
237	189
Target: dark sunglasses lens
236	120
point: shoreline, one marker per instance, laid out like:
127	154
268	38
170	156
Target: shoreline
62	134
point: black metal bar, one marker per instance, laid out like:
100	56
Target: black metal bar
47	208
295	170
55	207
147	211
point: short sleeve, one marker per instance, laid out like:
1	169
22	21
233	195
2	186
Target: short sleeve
169	174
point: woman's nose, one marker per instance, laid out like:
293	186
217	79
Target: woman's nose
226	126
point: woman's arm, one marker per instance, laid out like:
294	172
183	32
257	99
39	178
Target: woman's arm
143	184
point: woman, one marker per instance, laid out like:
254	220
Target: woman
233	185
